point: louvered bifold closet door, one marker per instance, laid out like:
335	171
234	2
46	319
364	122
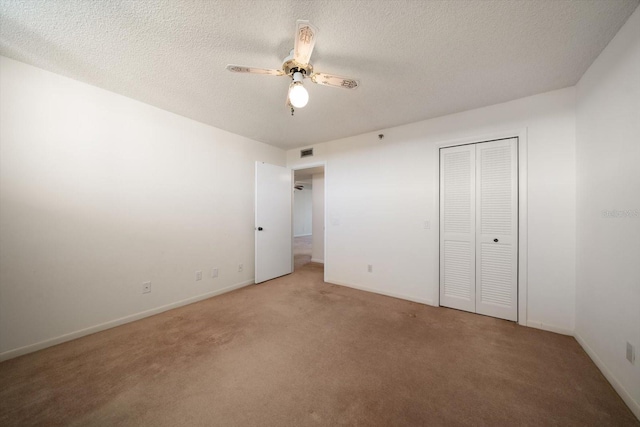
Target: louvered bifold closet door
497	229
457	227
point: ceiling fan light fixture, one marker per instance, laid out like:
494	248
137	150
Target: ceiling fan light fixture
298	95
297	67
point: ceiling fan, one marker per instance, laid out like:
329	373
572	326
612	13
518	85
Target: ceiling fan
297	67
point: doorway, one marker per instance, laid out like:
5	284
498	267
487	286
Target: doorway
308	217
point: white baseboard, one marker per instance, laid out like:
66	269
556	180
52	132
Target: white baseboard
302	235
319	261
619	388
10	354
376	291
550	328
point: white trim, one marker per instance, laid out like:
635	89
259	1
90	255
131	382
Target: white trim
255	219
10	354
385	293
521	134
308	165
324	228
523	230
319	261
617	386
322	163
302	235
550	328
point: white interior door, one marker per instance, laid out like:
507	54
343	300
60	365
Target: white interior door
273	228
479	228
497	229
457	227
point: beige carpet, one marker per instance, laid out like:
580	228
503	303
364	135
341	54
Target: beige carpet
298	352
302	251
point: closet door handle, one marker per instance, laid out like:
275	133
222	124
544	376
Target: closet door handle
495	240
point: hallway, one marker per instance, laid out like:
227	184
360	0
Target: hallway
301	251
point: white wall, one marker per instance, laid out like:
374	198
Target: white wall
380	192
302	212
608	179
99	193
317	248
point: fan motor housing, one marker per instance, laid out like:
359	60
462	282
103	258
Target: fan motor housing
291	66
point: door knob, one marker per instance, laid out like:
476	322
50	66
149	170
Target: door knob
495	240
259	228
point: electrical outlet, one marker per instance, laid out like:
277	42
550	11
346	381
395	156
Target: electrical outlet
240	268
631	353
214	273
370	268
198	275
427	225
146	287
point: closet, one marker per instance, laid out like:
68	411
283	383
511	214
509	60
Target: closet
479	228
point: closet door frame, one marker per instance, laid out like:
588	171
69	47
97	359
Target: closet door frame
521	134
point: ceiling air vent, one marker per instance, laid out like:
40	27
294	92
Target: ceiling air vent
307	152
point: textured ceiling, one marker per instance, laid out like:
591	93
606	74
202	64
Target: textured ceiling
414	59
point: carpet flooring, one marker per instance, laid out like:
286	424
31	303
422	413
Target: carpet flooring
299	352
302	251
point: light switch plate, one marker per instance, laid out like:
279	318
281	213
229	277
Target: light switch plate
631	353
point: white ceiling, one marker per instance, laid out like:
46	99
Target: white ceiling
415	59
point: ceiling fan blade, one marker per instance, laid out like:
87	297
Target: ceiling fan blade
253	70
305	41
335	81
